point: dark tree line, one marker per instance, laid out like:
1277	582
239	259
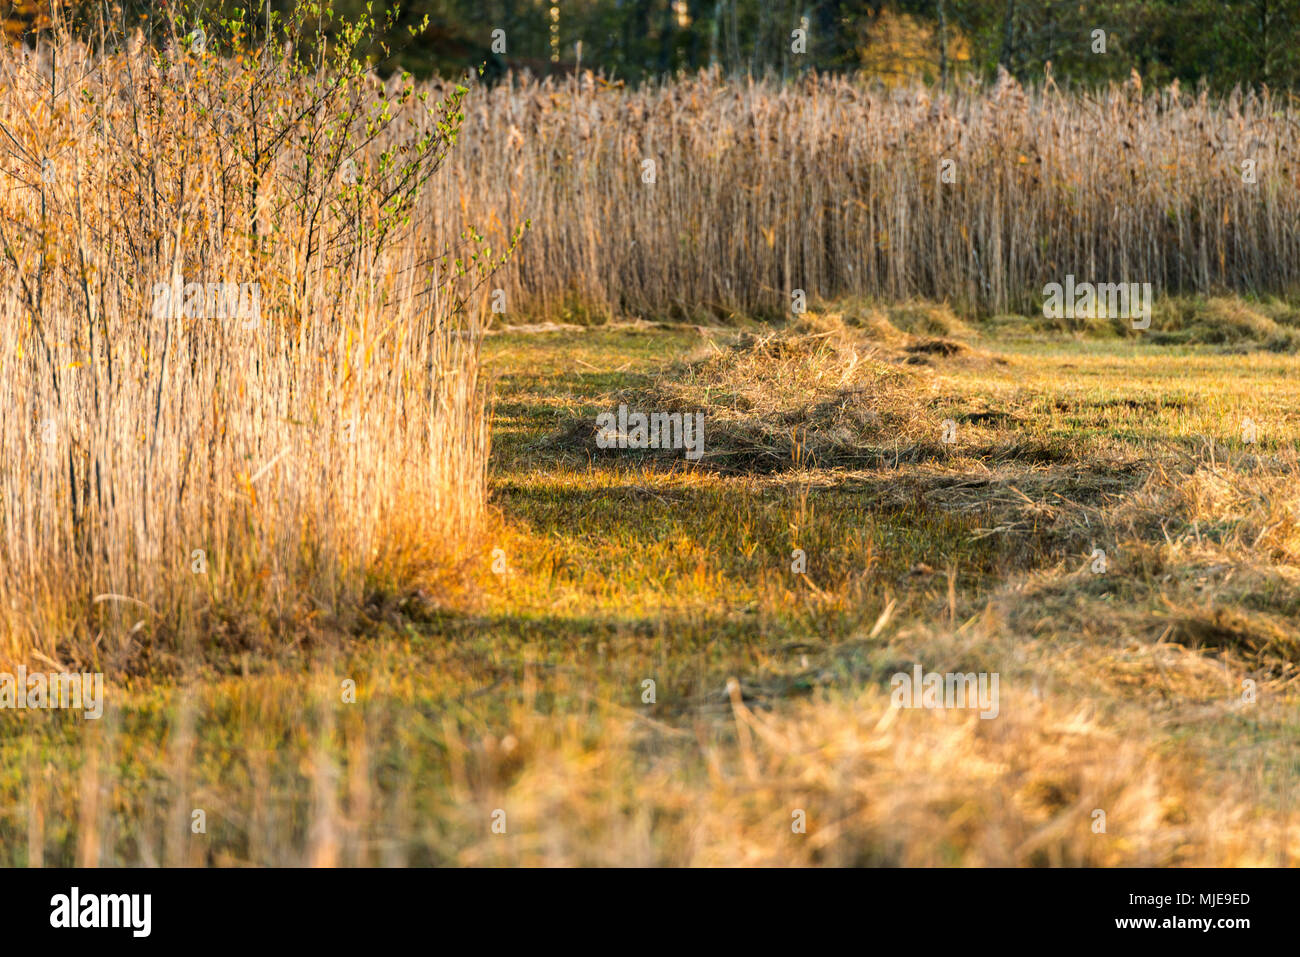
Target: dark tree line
1220	42
1224	42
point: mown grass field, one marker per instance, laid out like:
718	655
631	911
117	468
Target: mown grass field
521	689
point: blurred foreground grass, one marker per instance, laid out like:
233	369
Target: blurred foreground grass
525	692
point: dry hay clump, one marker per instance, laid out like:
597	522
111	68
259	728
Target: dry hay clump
804	396
1208	559
828	390
879	787
927	320
914	332
1253	515
1228	322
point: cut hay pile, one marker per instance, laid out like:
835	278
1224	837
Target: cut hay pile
1234	323
803	396
1208	559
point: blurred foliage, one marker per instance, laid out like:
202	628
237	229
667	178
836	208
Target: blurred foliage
1220	42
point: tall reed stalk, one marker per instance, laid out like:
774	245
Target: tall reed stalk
833	187
177	476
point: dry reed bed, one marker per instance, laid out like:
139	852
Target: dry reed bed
169	479
834	188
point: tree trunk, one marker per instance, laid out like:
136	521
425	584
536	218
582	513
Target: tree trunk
1007	24
943	44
